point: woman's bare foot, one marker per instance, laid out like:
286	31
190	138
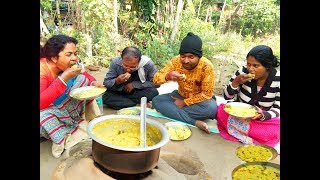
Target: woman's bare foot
202	125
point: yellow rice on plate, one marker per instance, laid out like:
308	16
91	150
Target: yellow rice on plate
87	92
240	111
178	131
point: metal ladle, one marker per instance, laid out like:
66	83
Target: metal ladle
143	117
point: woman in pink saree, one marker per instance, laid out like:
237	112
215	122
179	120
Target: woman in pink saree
261	90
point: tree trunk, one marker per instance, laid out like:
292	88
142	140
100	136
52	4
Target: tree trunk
210	14
171	12
43	27
78	17
58	13
166	17
199	9
229	20
115	16
159	14
222	10
175	24
159	18
83	24
207	15
88	45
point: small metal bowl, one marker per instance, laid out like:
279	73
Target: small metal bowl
273	151
264	164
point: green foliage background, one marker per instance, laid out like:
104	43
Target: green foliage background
138	26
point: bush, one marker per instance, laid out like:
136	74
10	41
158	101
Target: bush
260	17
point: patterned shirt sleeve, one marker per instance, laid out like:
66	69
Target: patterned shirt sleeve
160	76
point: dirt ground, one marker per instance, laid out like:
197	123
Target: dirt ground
225	67
201	157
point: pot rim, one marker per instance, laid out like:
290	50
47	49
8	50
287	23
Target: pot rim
164	140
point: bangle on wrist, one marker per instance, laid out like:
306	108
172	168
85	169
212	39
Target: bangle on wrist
233	87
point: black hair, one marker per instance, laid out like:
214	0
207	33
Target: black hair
265	56
55	45
131	52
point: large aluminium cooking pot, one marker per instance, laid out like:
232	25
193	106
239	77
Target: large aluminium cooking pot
125	159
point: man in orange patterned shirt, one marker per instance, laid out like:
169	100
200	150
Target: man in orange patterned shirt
194	101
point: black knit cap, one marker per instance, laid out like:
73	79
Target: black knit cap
191	44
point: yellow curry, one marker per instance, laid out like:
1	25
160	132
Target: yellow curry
125	133
251	153
256	172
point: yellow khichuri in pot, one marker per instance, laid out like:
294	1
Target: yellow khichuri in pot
125	133
251	153
256	172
